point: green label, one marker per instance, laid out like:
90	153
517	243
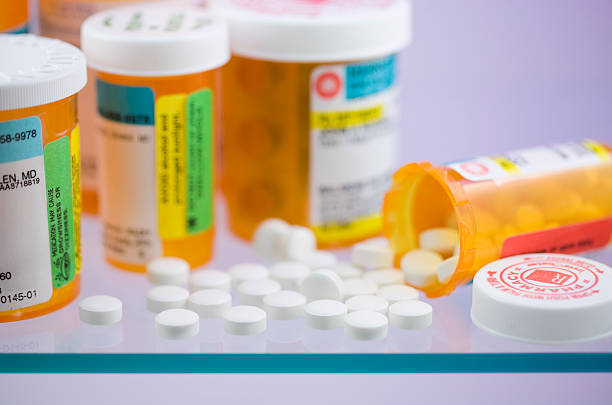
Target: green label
60	214
199	161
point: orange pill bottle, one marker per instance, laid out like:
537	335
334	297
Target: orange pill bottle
310	113
555	199
40	243
14	16
156	73
62	19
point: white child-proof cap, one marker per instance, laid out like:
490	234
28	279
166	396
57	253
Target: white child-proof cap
316	31
155	40
36	71
544	298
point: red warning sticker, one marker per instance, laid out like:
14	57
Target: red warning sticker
566	239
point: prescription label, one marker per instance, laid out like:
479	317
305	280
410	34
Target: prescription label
184	163
128	198
353	142
25	261
533	161
567	239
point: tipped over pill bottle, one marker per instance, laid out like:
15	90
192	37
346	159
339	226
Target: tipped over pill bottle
555	199
14	16
156	73
40	243
310	113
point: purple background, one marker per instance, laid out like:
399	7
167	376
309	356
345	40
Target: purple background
481	76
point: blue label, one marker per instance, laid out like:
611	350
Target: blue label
364	79
126	104
20	139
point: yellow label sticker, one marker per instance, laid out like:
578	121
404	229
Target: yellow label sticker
75	161
171	163
600	150
345	119
358	228
506	164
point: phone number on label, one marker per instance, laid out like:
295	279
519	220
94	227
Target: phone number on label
19	136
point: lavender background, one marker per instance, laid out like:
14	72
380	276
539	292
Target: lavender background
481	76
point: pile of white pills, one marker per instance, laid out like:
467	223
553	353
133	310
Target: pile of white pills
363	296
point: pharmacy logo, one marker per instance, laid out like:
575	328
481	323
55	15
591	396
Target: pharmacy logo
545	278
328	85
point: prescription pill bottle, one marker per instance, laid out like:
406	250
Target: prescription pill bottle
156	73
62	19
310	113
14	16
40	244
555	199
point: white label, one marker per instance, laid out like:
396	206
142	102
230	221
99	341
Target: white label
25	265
128	200
532	161
353	140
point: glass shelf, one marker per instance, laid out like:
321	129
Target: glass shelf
59	342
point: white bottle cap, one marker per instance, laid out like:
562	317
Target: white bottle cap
177	324
366	325
168	271
411	314
316	31
284	305
154	40
209	303
544	298
324	314
165	297
367	302
100	310
209	279
244	320
36	71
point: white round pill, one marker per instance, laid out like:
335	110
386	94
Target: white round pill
366	325
419	267
367	302
165	297
209	279
251	292
322	284
441	240
346	270
177	323
319	259
385	277
398	292
100	310
324	314
168	271
240	273
289	274
269	238
446	269
412	314
244	320
284	305
209	303
299	243
372	255
359	286
457	249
